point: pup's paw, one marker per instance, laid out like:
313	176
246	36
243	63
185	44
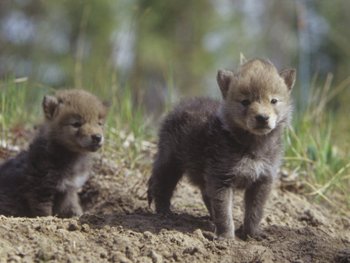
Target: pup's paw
164	211
257	235
225	235
75	211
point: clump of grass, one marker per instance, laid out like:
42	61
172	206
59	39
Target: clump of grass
12	101
127	130
19	104
311	150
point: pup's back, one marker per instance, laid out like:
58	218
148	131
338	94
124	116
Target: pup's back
187	125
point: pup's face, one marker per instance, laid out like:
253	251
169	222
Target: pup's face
256	97
75	119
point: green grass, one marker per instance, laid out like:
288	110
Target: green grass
322	165
19	104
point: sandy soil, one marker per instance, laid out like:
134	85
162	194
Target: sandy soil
118	226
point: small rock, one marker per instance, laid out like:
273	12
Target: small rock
147	235
61	232
209	235
156	258
51	228
310	218
268	219
198	234
130	252
345	222
191	250
119	257
175	256
221	247
37	227
85	228
345	240
144	260
44	255
14	259
73	227
107	228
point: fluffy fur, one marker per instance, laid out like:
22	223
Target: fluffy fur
45	179
227	145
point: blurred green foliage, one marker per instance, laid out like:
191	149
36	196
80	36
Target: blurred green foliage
142	55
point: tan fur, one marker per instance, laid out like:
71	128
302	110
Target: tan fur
259	82
74	106
45	179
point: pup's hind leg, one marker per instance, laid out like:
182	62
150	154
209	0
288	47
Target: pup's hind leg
165	176
207	202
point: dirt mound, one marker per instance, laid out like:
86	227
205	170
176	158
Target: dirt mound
118	226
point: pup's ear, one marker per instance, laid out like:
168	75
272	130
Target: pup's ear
289	76
224	78
242	59
107	104
50	104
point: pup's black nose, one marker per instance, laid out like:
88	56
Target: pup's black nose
262	118
96	138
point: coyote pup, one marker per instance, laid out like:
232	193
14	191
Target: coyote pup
228	145
45	179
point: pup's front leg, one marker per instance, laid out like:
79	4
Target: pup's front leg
255	199
221	207
67	204
39	206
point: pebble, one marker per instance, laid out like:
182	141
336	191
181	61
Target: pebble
14	259
147	234
198	234
73	227
156	258
191	250
119	257
144	260
85	228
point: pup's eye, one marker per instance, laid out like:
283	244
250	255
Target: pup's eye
76	124
274	101
245	102
101	123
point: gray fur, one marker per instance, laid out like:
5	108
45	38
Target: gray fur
30	184
219	155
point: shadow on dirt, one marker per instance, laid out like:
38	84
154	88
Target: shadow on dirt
143	220
120	209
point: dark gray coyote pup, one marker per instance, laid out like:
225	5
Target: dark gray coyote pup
227	145
45	179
